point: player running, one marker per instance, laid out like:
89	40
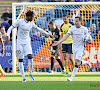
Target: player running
78	31
24	26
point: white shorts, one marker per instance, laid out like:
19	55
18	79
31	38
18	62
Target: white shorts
23	49
78	54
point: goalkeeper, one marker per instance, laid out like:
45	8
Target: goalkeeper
55	49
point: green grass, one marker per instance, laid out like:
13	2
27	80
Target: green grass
46	81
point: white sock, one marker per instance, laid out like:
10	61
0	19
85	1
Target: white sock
21	68
30	62
83	62
74	72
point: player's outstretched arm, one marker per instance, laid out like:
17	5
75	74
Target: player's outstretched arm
61	40
40	30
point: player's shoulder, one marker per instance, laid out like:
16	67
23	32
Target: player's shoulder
62	25
19	20
56	30
71	23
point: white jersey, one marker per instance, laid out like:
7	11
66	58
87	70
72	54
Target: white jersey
24	27
77	35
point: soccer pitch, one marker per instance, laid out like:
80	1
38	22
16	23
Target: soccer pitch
56	81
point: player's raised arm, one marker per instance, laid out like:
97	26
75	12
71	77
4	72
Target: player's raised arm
61	40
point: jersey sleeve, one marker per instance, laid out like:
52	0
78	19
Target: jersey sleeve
16	24
70	31
86	31
61	31
39	29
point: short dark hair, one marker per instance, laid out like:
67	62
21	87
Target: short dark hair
80	19
6	18
65	15
29	13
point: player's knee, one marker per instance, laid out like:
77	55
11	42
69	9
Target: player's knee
71	58
64	54
30	57
76	66
57	57
58	60
65	58
53	56
77	62
20	60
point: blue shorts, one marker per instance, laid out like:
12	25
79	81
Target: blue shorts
67	48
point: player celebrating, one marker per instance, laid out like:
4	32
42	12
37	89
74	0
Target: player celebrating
67	44
77	33
55	49
23	41
2	52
